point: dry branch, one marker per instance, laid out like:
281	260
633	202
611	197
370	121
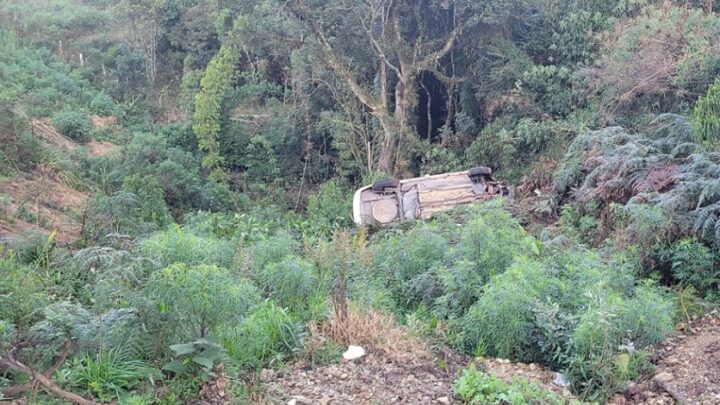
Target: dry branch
43	379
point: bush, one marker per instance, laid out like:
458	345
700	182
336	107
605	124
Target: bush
153	209
489	242
110	375
329	210
475	387
608	339
552	88
271	250
290	282
103	105
73	124
266	337
21	293
570	310
693	264
8	335
192	301
406	262
176	245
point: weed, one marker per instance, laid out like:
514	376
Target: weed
110	374
475	387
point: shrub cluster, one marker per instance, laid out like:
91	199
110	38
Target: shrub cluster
508	295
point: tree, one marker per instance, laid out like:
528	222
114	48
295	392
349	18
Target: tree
208	109
139	24
400	41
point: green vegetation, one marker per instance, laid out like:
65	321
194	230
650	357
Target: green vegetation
217	236
475	387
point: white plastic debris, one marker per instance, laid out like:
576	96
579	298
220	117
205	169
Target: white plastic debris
560	380
353	352
292	402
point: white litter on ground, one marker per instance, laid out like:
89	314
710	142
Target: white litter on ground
353	352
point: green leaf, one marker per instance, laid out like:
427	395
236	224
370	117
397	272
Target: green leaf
203	361
182	349
175	366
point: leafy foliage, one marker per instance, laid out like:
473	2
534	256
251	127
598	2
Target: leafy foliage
266	337
189	302
476	387
218	76
198	357
705	113
216	234
110	374
73	124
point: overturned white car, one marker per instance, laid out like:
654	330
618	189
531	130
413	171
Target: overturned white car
390	201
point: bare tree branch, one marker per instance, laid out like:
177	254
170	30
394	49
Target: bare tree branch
19	389
334	60
8	361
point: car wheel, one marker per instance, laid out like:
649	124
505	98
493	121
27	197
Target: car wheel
384	184
480	171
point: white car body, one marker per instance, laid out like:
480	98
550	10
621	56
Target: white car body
422	197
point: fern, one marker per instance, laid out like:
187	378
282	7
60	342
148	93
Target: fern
660	167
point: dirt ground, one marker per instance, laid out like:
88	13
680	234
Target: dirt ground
42	202
378	379
687	368
47	199
687	371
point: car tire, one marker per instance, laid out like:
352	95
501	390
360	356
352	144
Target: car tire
480	171
383	184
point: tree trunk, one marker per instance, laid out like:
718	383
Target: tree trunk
405	103
386	159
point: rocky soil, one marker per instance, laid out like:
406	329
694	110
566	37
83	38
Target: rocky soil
687	368
379	379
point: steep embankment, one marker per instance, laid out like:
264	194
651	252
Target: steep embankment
49	198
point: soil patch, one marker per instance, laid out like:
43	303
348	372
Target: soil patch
42	201
380	379
687	368
373	379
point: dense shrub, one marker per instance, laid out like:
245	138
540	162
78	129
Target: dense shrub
329	210
610	338
551	87
290	282
501	322
19	149
693	264
21	292
153	209
73	124
272	249
409	263
567	311
192	301
179	246
103	105
266	337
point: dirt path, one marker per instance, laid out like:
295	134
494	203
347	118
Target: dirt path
687	368
374	379
378	379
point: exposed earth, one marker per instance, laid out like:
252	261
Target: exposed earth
687	368
378	379
48	198
687	371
